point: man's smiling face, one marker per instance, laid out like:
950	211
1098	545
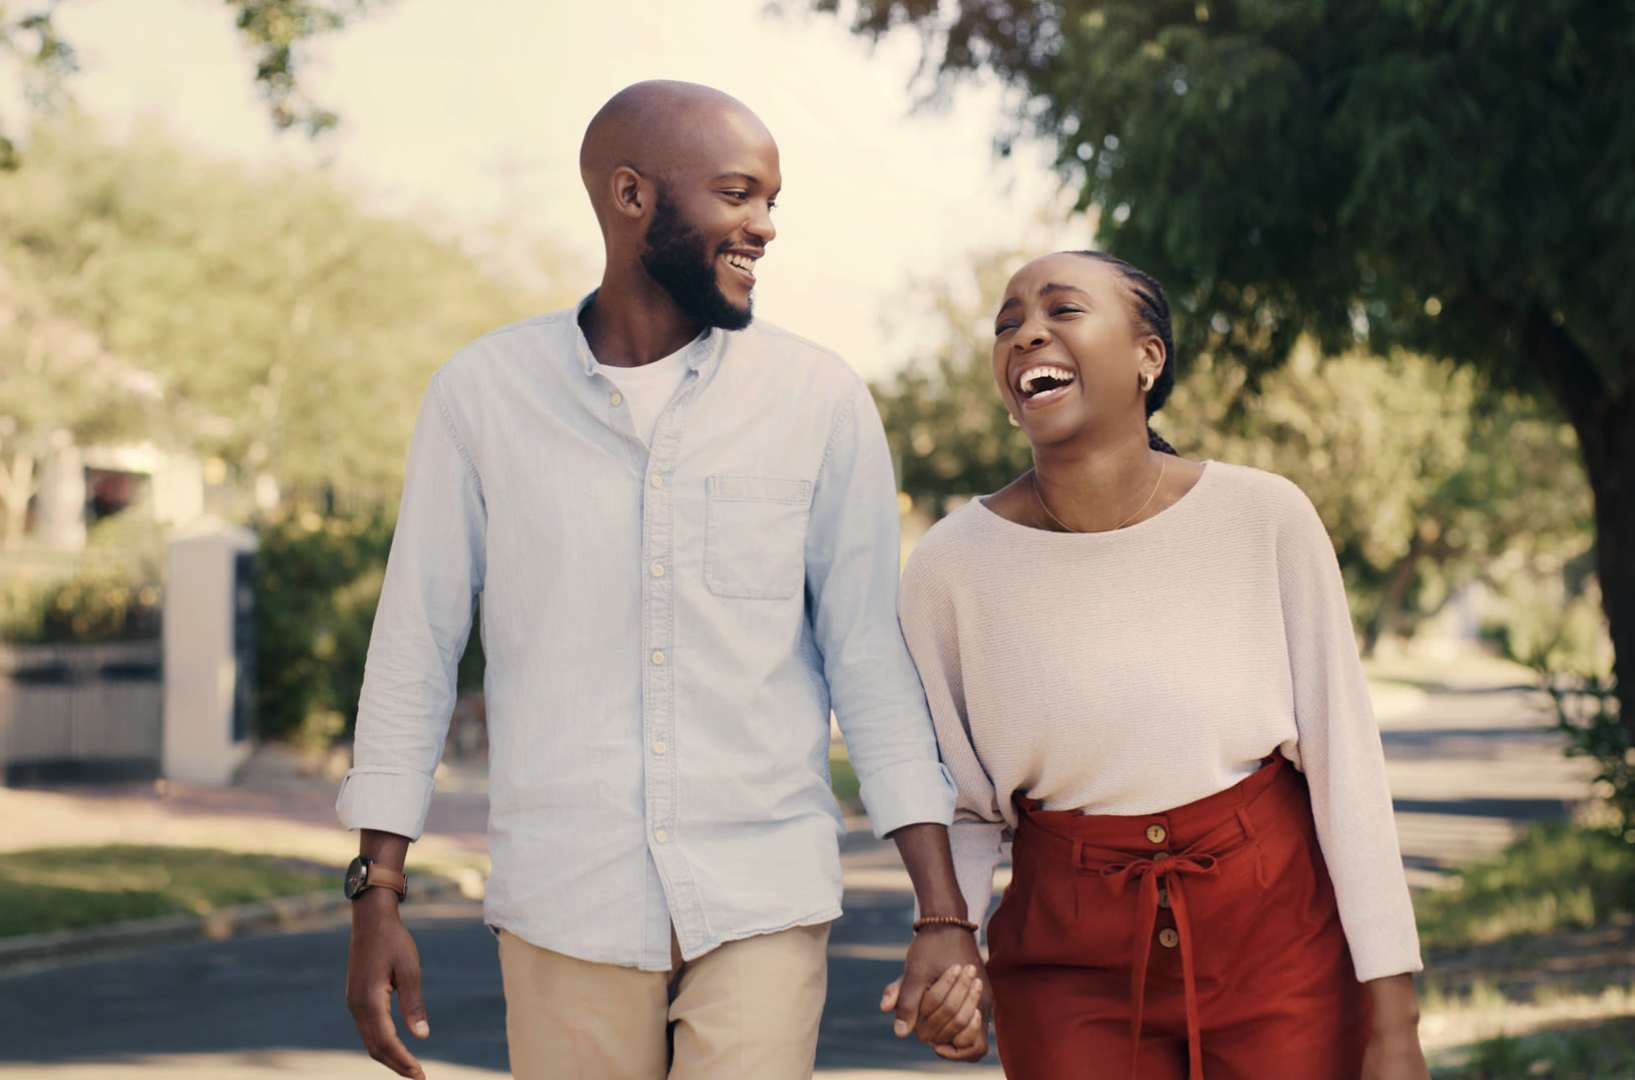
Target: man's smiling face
712	220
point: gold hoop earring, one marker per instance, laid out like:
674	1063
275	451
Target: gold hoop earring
1146	381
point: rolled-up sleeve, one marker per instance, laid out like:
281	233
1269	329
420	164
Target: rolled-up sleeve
434	574
851	579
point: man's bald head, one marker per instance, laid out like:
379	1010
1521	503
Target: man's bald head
683	179
661	127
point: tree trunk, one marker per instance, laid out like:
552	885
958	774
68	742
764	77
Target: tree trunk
1604	417
1385	614
16	488
1611	467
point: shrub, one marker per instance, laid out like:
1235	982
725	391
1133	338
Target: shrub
318	582
101	607
1556	876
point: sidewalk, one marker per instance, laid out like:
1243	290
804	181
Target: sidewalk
277	810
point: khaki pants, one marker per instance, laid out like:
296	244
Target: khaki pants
747	1009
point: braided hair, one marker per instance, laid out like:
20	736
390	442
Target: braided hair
1152	311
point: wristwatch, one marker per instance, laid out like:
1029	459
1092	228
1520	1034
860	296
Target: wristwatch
365	874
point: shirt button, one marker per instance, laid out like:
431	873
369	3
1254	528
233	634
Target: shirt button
1168	938
1163	898
658	569
657	481
617	399
660	747
661	836
1159	856
1157	833
658	658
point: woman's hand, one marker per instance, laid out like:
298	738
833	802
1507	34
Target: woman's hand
1394	1055
953	1013
1393	1051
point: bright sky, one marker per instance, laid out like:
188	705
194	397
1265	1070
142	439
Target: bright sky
467	119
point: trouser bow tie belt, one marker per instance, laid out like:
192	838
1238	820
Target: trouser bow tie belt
1163	871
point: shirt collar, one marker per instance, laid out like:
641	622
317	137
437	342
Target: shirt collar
703	349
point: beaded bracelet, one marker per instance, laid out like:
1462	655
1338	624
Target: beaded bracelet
944	920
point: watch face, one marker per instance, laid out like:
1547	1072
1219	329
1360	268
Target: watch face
357	875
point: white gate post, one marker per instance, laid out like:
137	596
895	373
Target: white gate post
209	632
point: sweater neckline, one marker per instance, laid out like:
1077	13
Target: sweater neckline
1172	513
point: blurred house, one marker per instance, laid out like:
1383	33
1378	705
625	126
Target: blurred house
81	486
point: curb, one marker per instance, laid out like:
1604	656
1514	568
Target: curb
280	913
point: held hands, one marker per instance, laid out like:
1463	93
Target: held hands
382	958
951	1016
942	996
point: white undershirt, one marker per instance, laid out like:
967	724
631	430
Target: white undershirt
648	389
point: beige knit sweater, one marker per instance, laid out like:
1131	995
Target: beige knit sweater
1135	671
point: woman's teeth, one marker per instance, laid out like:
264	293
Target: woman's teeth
1037	381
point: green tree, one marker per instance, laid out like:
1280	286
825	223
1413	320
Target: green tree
290	332
948	431
42	60
1456	178
1426	476
57	381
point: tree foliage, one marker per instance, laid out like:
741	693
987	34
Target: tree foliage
290	333
1427	477
276	32
1311	167
57	381
1457	178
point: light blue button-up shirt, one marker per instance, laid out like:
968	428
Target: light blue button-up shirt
666	629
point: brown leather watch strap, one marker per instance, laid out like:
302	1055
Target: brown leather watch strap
387	879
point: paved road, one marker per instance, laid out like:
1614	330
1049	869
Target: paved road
270	1006
1467	768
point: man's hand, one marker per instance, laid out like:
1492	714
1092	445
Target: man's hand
382	958
939	957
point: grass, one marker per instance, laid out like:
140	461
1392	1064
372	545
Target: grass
1601	1052
1556	877
75	887
843	778
1545	928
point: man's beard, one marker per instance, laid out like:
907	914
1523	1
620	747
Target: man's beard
676	257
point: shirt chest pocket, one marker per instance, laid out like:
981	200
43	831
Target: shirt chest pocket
755	536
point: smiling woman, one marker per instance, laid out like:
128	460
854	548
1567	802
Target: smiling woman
1142	667
1084	315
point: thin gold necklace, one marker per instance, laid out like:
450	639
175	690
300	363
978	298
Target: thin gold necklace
1039	495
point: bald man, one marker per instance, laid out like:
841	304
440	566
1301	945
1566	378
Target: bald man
682	526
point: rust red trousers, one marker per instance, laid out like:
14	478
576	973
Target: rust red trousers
1199	942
